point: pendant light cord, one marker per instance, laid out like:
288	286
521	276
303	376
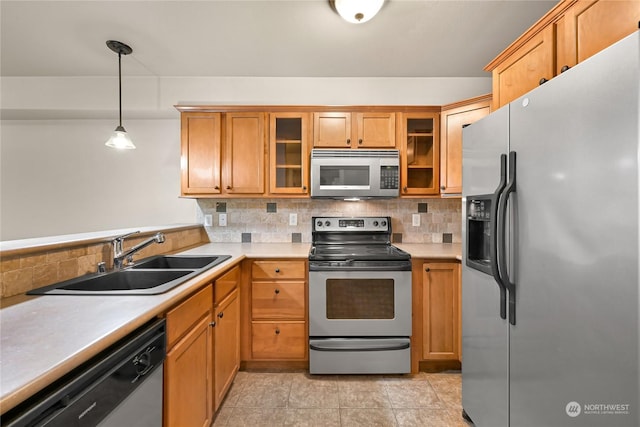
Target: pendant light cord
120	86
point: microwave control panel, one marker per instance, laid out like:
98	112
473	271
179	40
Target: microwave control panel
389	178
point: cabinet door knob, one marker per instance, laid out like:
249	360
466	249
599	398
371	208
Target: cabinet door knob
442	187
221	314
564	68
404	189
542	81
277	331
212	324
348	141
304	188
216	187
228	187
277	291
427	269
360	141
277	270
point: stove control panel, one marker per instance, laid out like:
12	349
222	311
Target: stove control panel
379	223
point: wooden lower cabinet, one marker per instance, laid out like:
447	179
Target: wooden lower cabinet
441	311
188	371
437	334
203	352
277	311
226	343
279	340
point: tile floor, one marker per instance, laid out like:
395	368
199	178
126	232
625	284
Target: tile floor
260	399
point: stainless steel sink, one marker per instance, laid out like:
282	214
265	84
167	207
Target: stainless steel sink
188	262
150	276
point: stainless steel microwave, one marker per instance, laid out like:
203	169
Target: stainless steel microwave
355	174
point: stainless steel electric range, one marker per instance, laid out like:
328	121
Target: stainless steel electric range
359	298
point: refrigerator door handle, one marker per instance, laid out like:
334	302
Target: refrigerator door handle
502	247
494	236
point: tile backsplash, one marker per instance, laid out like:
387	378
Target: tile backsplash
267	220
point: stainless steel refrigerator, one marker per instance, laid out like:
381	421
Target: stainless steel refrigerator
550	229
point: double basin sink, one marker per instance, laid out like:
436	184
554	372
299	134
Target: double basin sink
150	276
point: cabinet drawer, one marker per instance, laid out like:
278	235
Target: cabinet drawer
227	283
185	316
279	340
278	270
277	300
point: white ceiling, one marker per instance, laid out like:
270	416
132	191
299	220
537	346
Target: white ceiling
304	38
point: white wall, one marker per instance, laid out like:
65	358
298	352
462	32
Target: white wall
57	177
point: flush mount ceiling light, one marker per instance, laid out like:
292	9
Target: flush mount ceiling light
120	139
357	11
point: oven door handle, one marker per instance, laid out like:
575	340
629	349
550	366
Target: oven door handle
348	344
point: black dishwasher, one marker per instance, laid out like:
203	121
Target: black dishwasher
122	386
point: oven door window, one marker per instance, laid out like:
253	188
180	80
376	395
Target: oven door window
344	176
360	299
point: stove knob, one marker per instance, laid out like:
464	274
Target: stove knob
375	223
319	223
383	223
327	223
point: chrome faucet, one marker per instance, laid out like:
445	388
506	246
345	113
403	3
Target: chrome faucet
120	255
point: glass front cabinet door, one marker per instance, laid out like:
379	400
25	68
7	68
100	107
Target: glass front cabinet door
420	154
289	136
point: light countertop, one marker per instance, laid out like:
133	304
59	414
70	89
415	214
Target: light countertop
44	337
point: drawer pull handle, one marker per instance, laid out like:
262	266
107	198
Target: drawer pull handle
212	324
277	291
277	270
221	314
277	331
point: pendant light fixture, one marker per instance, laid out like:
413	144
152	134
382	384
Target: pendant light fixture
357	11
120	139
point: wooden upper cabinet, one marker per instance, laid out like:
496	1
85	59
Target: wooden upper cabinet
589	26
332	130
525	68
289	137
569	33
375	130
243	169
419	153
453	118
200	153
354	130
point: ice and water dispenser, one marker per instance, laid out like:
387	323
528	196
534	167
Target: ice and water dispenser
479	231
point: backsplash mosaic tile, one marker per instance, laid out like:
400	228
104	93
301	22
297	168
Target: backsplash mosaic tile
249	216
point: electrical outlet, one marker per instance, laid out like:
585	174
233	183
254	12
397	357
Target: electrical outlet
208	220
222	220
415	220
293	219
